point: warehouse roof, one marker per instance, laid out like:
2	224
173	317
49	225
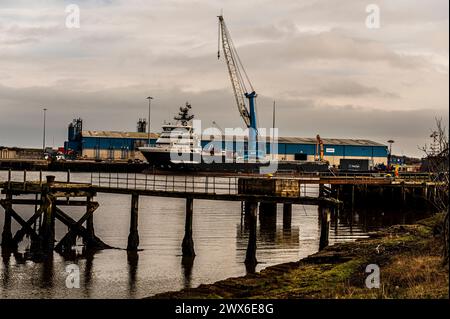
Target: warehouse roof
329	141
117	134
288	140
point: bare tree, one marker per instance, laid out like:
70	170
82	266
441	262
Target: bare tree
436	162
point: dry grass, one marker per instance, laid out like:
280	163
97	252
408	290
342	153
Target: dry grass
417	277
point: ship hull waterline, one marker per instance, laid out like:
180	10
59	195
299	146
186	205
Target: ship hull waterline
184	161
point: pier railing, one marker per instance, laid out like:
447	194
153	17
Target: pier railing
208	184
227	185
167	183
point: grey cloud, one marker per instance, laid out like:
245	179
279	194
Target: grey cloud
330	46
348	88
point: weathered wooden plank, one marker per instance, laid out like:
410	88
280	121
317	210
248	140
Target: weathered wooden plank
57	202
21	232
74	226
79	229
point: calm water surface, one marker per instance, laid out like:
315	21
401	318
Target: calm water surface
220	243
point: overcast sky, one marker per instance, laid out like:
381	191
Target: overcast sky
327	71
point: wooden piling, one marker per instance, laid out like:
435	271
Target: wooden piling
266	208
324	220
403	194
188	243
353	197
7	234
287	215
246	208
425	190
48	224
250	257
133	237
90	222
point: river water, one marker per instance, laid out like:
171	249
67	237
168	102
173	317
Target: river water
220	244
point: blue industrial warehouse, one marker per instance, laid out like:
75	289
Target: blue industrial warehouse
124	145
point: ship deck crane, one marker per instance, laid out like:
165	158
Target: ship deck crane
240	83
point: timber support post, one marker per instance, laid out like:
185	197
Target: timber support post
7	234
188	243
246	208
250	257
89	222
321	190
267	208
48	224
353	197
324	220
403	193
287	215
133	237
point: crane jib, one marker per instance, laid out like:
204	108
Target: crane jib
237	80
237	75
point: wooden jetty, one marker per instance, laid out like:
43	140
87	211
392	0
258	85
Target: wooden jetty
252	191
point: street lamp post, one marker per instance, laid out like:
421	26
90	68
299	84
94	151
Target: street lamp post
390	151
273	126
149	98
43	135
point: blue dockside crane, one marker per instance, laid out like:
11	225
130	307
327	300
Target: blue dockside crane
239	79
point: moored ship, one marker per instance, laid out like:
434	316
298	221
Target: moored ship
179	147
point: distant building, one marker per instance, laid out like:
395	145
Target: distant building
124	145
16	153
111	145
335	149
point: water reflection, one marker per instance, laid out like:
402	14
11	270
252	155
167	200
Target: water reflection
47	268
187	264
269	232
133	260
6	257
268	227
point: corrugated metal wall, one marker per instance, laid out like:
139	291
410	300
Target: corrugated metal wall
341	151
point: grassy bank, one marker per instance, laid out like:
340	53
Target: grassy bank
409	257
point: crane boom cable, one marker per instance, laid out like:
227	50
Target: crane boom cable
233	70
242	67
235	58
